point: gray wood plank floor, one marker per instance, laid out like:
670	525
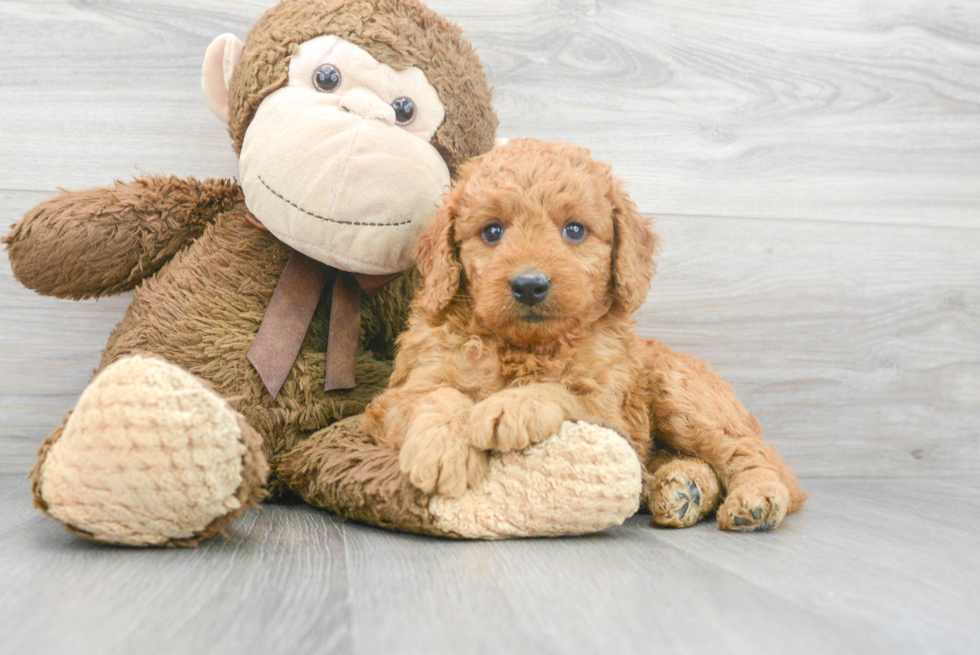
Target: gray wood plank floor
815	167
870	566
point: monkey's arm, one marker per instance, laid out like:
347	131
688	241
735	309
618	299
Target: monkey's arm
97	242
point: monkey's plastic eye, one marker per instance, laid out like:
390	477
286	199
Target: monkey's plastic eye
404	110
493	233
327	78
574	232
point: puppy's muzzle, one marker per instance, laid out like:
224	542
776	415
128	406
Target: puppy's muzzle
530	287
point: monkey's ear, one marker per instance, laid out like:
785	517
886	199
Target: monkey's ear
436	258
634	246
219	62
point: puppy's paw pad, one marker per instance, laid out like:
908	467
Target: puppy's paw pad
682	493
754	508
677	503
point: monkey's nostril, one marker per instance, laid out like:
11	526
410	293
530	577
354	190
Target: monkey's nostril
530	288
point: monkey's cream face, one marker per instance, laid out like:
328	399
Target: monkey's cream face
338	163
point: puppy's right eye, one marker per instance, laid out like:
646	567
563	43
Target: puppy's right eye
493	233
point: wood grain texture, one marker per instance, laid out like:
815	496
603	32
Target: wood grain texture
827	109
814	164
857	345
869	566
820	109
282	577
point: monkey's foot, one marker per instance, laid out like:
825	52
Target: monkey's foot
151	456
682	492
753	506
584	479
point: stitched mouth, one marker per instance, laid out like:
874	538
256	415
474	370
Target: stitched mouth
325	218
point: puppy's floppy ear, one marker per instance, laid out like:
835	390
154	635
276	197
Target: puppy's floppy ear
634	246
436	257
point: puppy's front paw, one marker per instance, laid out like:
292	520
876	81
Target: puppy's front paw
437	459
754	507
513	419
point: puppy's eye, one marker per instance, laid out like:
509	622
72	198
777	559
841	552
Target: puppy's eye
404	110
493	233
327	78
573	232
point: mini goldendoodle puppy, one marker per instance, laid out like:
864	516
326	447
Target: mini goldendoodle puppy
532	270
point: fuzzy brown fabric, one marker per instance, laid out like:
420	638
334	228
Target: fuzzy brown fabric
129	231
42	455
203	274
399	33
341	469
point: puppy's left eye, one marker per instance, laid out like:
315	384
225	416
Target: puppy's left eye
573	232
493	233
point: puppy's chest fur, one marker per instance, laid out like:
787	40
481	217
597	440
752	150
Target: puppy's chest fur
599	369
498	367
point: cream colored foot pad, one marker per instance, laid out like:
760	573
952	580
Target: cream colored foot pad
582	480
148	455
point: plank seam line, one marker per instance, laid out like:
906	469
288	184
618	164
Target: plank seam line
925	226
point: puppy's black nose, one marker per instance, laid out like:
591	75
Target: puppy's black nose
530	288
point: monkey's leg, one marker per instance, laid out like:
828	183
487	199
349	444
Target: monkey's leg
150	456
96	242
679	490
696	412
582	480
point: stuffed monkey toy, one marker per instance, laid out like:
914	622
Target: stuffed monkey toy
264	311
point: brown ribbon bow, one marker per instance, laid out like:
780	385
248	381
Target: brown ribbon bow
290	313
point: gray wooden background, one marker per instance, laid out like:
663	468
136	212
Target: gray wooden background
815	167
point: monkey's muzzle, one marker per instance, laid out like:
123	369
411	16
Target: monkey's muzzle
351	191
